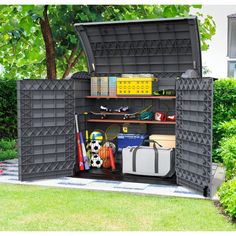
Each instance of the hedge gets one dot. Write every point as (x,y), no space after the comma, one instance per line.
(224,110)
(227,194)
(7,149)
(8,109)
(227,152)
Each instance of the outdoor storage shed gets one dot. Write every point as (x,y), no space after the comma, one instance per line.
(164,47)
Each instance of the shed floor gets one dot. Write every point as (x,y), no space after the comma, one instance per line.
(108,174)
(163,187)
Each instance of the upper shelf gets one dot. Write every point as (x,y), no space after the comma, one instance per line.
(131,97)
(131,121)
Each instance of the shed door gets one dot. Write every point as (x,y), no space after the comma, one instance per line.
(194,133)
(46,136)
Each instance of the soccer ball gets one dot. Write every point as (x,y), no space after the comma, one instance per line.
(95,146)
(96,161)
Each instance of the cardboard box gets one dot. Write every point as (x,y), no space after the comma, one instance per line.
(99,86)
(104,85)
(167,141)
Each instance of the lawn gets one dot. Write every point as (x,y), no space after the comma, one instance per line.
(44,208)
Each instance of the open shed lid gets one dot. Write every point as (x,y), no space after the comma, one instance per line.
(165,47)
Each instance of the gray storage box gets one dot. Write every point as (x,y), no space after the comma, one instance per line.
(145,160)
(165,48)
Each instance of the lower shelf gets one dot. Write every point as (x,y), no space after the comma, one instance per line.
(108,174)
(131,121)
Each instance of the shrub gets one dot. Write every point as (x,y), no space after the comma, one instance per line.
(227,195)
(228,154)
(224,110)
(7,149)
(8,109)
(228,128)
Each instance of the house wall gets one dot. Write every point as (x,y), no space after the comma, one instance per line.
(215,58)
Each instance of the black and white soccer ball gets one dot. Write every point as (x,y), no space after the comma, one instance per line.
(96,161)
(95,145)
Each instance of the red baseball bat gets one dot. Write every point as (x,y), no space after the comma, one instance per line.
(79,148)
(111,156)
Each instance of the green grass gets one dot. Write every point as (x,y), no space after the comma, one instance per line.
(44,208)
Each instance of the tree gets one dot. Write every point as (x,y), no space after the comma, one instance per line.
(39,39)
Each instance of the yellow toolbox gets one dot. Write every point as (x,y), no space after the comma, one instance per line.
(135,86)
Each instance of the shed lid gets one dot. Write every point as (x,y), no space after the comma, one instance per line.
(165,47)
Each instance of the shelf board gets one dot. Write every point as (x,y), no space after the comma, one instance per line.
(131,97)
(131,121)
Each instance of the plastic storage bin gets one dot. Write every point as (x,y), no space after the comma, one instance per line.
(134,86)
(125,140)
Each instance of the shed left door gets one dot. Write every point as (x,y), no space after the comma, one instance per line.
(46,132)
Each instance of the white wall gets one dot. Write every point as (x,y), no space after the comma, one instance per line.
(216,56)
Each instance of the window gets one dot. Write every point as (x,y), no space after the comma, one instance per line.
(232,36)
(232,68)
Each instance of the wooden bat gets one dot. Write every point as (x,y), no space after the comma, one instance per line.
(79,148)
(84,153)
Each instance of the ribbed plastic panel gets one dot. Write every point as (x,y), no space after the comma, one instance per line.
(46,131)
(194,103)
(164,46)
(82,89)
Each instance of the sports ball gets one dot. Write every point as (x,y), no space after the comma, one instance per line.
(103,152)
(95,146)
(112,145)
(106,163)
(96,161)
(96,135)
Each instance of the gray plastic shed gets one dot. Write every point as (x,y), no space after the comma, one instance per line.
(164,47)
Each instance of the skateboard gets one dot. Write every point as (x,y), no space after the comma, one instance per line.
(123,115)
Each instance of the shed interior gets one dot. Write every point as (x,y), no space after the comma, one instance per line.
(85,103)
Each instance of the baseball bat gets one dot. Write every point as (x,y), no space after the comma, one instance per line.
(79,149)
(111,156)
(84,153)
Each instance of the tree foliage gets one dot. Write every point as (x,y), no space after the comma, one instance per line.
(22,43)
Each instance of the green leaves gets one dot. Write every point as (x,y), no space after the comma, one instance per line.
(224,110)
(227,194)
(22,47)
(21,42)
(8,109)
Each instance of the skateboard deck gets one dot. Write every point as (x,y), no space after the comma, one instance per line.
(123,115)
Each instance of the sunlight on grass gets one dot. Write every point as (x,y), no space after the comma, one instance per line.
(44,208)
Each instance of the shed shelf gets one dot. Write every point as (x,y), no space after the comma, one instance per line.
(131,97)
(131,121)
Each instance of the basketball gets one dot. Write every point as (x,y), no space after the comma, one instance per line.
(103,152)
(106,163)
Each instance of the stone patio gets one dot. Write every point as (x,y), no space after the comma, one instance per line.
(9,174)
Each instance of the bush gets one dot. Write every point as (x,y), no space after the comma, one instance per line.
(7,149)
(228,154)
(227,195)
(228,128)
(8,109)
(224,110)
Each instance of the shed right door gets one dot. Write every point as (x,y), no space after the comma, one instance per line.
(194,103)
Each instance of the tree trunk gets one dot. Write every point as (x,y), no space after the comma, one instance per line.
(72,61)
(49,45)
